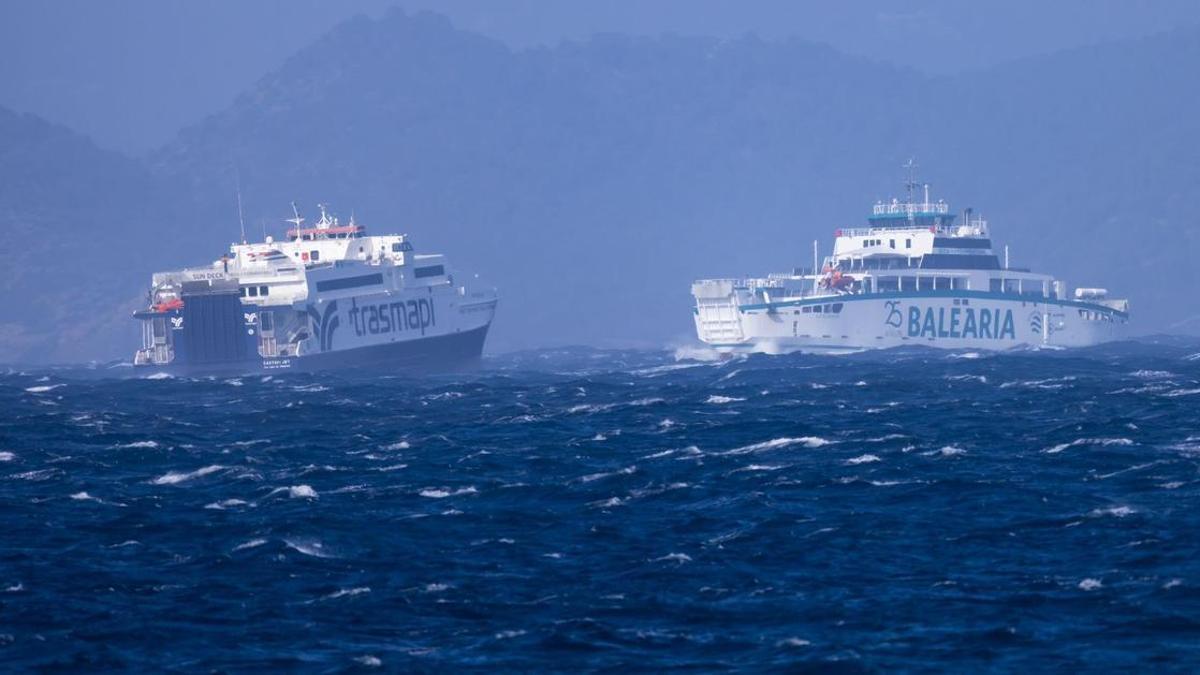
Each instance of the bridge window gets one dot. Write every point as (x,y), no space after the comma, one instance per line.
(888,284)
(908,243)
(995,285)
(908,284)
(431,271)
(263,290)
(253,291)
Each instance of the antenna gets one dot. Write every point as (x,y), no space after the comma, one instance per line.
(297,220)
(241,218)
(911,183)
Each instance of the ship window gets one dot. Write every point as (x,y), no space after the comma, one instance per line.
(253,291)
(431,271)
(892,243)
(1011,285)
(315,255)
(994,285)
(908,243)
(887,284)
(806,310)
(262,290)
(908,283)
(941,283)
(836,307)
(401,246)
(242,291)
(816,309)
(266,320)
(958,283)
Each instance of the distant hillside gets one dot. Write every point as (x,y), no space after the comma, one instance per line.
(592,181)
(78,223)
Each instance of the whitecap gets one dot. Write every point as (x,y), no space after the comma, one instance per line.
(760,467)
(1182,392)
(776,443)
(6,456)
(225,504)
(949,451)
(442,493)
(719,400)
(158,376)
(368,660)
(674,557)
(139,444)
(1115,511)
(347,592)
(863,459)
(390,467)
(599,437)
(793,642)
(611,502)
(1152,374)
(310,547)
(43,388)
(435,588)
(509,634)
(597,476)
(253,543)
(1087,441)
(590,408)
(1090,584)
(1173,583)
(296,491)
(175,477)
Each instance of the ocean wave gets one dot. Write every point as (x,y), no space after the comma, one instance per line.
(177,477)
(719,400)
(442,493)
(1087,441)
(777,443)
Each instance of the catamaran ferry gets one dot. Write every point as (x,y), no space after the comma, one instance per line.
(913,276)
(328,297)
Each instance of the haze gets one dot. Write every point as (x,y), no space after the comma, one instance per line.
(589,159)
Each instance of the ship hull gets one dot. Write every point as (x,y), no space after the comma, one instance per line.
(448,352)
(944,320)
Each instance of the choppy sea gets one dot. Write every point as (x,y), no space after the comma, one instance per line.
(581,509)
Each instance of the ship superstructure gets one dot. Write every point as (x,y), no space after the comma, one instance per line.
(916,274)
(326,296)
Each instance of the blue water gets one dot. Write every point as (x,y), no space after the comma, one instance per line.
(587,509)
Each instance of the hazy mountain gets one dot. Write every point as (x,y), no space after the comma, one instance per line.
(82,227)
(592,181)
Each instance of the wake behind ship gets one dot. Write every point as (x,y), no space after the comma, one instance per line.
(912,276)
(330,296)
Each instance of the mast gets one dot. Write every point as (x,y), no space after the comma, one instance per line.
(241,218)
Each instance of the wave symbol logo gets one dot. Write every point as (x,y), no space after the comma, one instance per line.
(324,324)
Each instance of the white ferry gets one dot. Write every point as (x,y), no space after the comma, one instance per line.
(328,297)
(913,276)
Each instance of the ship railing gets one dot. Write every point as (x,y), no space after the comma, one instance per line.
(977,228)
(906,208)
